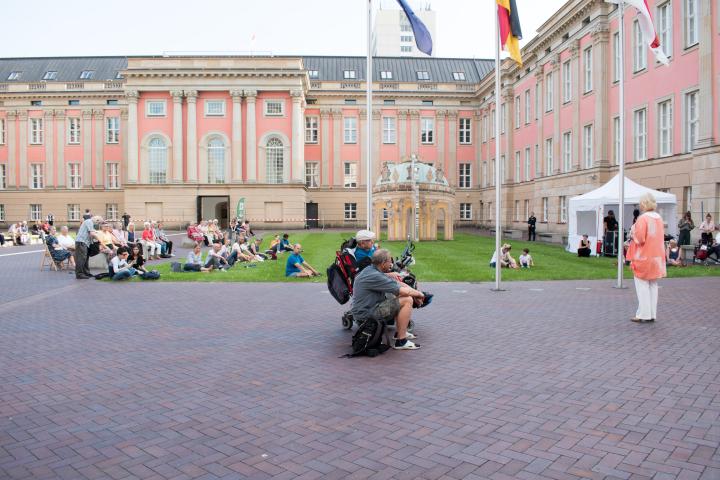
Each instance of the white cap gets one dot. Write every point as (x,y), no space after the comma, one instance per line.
(364,235)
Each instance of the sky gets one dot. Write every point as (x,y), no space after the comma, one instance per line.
(280,27)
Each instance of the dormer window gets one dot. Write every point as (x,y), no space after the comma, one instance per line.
(50,75)
(313,74)
(14,76)
(386,75)
(119,76)
(459,76)
(349,74)
(87,75)
(422,75)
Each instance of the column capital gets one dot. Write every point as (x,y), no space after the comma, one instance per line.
(363,113)
(325,112)
(575,49)
(452,114)
(11,114)
(191,96)
(98,113)
(48,114)
(132,96)
(414,113)
(60,114)
(236,95)
(251,95)
(555,62)
(336,112)
(296,94)
(177,95)
(124,113)
(87,113)
(22,114)
(402,114)
(441,113)
(601,33)
(539,73)
(376,114)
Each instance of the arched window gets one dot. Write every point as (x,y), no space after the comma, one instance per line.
(216,161)
(275,161)
(158,160)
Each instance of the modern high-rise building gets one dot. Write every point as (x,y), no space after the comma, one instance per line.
(393,36)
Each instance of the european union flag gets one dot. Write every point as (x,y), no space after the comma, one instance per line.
(423,40)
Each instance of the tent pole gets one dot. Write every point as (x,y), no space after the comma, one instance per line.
(621,153)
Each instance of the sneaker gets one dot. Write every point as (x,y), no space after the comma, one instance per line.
(426,301)
(405,344)
(409,336)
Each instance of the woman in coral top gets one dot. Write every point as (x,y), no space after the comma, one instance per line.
(647,258)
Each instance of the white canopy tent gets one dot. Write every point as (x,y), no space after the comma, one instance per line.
(586,212)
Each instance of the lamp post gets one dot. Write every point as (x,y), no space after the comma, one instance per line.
(416,198)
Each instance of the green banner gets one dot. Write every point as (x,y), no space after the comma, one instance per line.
(240,209)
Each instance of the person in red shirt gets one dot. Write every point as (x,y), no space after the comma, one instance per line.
(148,237)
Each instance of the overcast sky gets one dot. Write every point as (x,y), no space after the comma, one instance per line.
(312,27)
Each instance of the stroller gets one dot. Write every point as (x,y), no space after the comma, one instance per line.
(342,273)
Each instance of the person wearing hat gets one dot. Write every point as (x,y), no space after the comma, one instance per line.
(365,245)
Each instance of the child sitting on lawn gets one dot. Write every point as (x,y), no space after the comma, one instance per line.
(526,260)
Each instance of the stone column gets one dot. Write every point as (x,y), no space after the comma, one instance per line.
(99,116)
(440,122)
(539,102)
(11,119)
(325,140)
(402,133)
(557,102)
(251,137)
(601,41)
(177,138)
(509,99)
(298,150)
(577,95)
(338,179)
(86,135)
(192,163)
(60,126)
(49,148)
(414,131)
(236,96)
(23,146)
(707,101)
(124,144)
(132,139)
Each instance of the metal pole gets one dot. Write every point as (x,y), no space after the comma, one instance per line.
(368,117)
(621,153)
(498,164)
(416,198)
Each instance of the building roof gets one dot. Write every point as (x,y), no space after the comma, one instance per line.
(404,69)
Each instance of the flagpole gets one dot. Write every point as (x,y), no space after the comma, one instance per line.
(621,153)
(368,117)
(498,165)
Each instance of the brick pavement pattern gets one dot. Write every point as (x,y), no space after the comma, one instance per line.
(243,381)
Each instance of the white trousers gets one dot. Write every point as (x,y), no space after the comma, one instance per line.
(647,293)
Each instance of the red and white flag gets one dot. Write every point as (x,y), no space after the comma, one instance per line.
(648,28)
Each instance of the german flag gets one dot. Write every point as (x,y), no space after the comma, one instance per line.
(510,33)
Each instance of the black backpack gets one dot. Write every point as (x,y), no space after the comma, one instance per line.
(338,284)
(367,341)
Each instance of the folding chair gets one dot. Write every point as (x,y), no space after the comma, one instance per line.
(47,258)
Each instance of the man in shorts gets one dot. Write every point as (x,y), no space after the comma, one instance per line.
(376,295)
(296,265)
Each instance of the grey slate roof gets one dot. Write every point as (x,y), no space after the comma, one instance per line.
(329,68)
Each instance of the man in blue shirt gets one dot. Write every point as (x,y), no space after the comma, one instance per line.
(365,247)
(83,239)
(296,265)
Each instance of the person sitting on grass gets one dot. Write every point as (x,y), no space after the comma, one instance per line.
(136,259)
(672,255)
(241,250)
(215,260)
(526,260)
(119,267)
(584,247)
(194,261)
(506,260)
(285,245)
(296,265)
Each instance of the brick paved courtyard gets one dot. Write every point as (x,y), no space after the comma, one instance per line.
(189,381)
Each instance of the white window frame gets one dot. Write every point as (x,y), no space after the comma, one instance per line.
(313,74)
(665,127)
(516,210)
(664,16)
(270,109)
(112,170)
(74,130)
(465,130)
(616,57)
(427,131)
(549,92)
(3,176)
(588,146)
(386,75)
(549,161)
(518,167)
(350,132)
(2,212)
(350,211)
(466,211)
(37,176)
(36,131)
(111,212)
(526,208)
(484,174)
(216,160)
(545,204)
(484,128)
(527,107)
(492,123)
(527,164)
(155,108)
(517,111)
(15,75)
(464,175)
(74,175)
(616,140)
(691,23)
(639,48)
(503,117)
(422,75)
(563,209)
(640,134)
(50,75)
(312,125)
(567,81)
(87,75)
(459,76)
(275,161)
(588,69)
(112,130)
(350,174)
(406,48)
(36,212)
(567,151)
(158,176)
(349,74)
(691,119)
(211,109)
(312,174)
(2,131)
(389,130)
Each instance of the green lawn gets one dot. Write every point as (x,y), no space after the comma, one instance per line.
(464,259)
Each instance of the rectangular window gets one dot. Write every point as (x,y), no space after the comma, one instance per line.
(466,211)
(74,178)
(312,174)
(111,102)
(516,210)
(36,103)
(389,101)
(464,175)
(111,211)
(313,74)
(350,131)
(14,75)
(567,151)
(427,103)
(549,170)
(588,153)
(492,172)
(517,112)
(386,75)
(3,176)
(588,69)
(35,212)
(274,108)
(527,107)
(616,57)
(563,209)
(349,74)
(538,162)
(350,178)
(73,210)
(113,175)
(2,131)
(503,117)
(639,48)
(492,123)
(484,128)
(87,75)
(350,101)
(406,48)
(518,167)
(527,208)
(73,131)
(422,75)
(406,38)
(155,108)
(112,130)
(664,27)
(665,128)
(640,134)
(527,164)
(351,211)
(545,209)
(692,24)
(389,130)
(2,212)
(537,101)
(427,130)
(311,129)
(692,120)
(37,179)
(549,92)
(50,75)
(459,76)
(36,131)
(464,130)
(73,102)
(616,140)
(214,108)
(567,81)
(484,174)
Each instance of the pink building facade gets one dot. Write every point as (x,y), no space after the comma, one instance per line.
(182,138)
